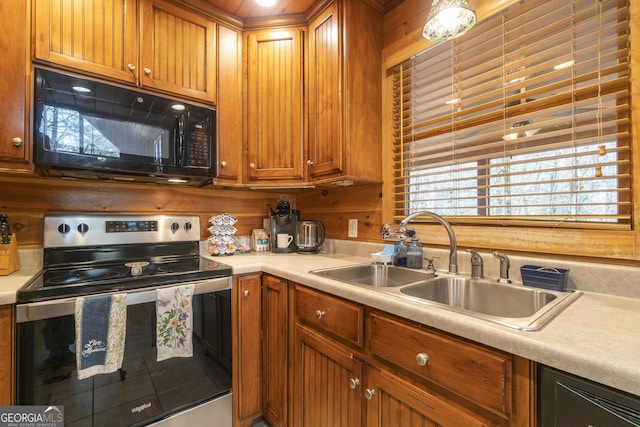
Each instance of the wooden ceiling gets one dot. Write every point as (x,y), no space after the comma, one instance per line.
(249,9)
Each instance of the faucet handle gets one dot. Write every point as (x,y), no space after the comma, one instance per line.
(504,267)
(477,270)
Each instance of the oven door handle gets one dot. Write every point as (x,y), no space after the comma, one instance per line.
(63,307)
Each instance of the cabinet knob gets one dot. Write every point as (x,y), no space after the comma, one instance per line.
(353,382)
(369,393)
(422,359)
(223,164)
(17,141)
(309,163)
(246,293)
(320,314)
(131,67)
(147,71)
(252,166)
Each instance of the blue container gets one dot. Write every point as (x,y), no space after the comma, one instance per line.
(554,279)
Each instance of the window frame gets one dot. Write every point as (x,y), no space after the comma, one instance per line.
(592,243)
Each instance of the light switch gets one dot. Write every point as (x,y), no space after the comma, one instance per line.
(353,228)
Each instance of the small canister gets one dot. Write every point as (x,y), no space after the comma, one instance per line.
(259,240)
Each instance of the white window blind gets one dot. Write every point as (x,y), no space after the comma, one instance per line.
(524,120)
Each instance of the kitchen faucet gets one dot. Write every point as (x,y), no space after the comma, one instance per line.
(386,233)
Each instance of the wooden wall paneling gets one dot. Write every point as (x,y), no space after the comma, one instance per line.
(335,206)
(26,201)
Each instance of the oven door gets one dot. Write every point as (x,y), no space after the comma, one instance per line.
(144,390)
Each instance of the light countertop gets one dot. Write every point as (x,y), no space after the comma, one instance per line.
(596,337)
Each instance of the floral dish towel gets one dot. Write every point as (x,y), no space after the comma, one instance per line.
(174,322)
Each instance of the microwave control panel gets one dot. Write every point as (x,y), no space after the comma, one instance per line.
(199,144)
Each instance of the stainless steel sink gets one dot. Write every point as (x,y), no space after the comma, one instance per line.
(512,305)
(375,275)
(509,305)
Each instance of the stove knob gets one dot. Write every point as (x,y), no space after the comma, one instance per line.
(64,228)
(187,226)
(83,228)
(175,226)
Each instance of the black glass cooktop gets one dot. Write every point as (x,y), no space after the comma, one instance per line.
(70,273)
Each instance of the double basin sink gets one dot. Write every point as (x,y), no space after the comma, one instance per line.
(510,305)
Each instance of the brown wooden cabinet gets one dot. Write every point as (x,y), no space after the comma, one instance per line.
(247,349)
(14,151)
(414,375)
(345,88)
(7,358)
(275,349)
(177,50)
(274,106)
(176,45)
(392,401)
(88,36)
(229,112)
(328,382)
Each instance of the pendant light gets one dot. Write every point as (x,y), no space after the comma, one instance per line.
(448,19)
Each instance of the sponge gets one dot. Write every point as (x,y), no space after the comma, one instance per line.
(389,250)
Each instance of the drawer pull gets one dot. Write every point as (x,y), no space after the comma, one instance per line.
(353,382)
(320,314)
(422,359)
(368,393)
(246,293)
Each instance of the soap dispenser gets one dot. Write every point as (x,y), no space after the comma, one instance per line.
(414,254)
(401,255)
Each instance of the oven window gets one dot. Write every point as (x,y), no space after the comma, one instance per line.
(144,389)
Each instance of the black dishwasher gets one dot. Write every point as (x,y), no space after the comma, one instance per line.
(565,400)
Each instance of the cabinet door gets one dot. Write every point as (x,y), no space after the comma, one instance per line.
(229,112)
(177,50)
(328,391)
(7,365)
(275,105)
(326,143)
(275,315)
(393,402)
(247,368)
(13,87)
(96,36)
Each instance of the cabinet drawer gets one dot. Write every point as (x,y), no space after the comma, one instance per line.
(479,374)
(330,314)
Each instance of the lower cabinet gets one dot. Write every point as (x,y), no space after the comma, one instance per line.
(247,349)
(392,401)
(328,382)
(7,359)
(319,367)
(275,345)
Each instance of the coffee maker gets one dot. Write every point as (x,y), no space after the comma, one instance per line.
(284,220)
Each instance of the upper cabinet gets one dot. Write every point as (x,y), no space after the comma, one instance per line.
(274,105)
(176,46)
(99,37)
(14,152)
(177,50)
(345,89)
(229,113)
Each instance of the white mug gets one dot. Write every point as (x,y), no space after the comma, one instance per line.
(284,240)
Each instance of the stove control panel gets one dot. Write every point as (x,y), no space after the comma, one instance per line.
(95,230)
(131,226)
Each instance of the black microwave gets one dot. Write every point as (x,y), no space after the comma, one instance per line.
(90,129)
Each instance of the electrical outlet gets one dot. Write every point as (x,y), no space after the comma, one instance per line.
(353,228)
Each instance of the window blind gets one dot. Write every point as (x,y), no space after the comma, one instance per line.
(524,120)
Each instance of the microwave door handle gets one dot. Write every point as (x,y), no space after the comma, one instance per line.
(180,143)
